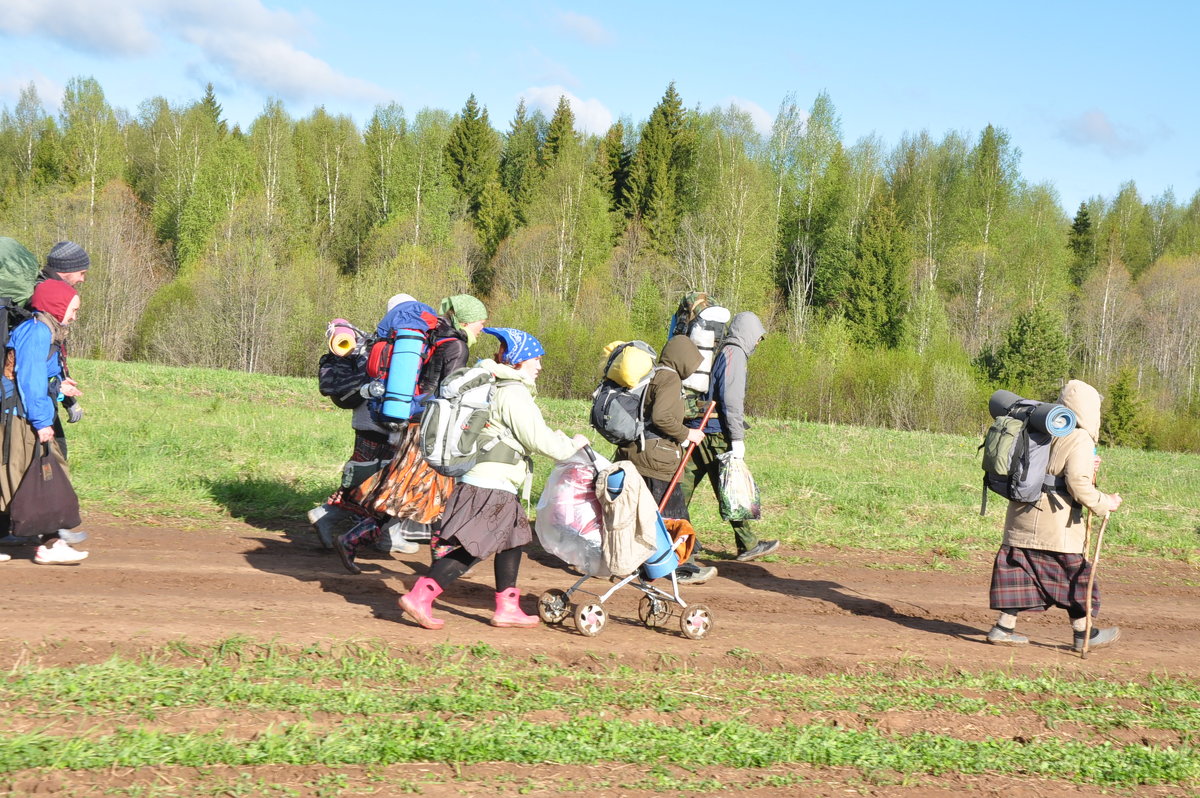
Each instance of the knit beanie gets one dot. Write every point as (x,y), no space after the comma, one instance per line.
(67,256)
(397,299)
(462,309)
(53,297)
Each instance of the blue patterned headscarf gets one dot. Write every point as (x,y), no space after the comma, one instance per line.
(519,345)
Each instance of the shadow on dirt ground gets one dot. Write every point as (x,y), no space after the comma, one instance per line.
(268,504)
(846,598)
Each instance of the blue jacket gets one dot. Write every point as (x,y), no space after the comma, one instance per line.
(36,364)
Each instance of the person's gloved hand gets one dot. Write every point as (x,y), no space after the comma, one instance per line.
(738,449)
(74,413)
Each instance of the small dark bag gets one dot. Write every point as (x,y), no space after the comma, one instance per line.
(44,502)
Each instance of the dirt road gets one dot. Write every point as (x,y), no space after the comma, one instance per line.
(151,584)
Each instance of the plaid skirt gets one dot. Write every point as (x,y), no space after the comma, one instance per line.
(1031,580)
(407,487)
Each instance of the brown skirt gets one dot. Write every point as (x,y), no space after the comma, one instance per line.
(407,487)
(484,521)
(21,441)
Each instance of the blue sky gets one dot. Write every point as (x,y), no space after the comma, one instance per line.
(1093,95)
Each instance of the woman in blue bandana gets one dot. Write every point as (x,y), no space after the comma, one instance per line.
(484,516)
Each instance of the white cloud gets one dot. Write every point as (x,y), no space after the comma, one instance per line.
(50,92)
(250,43)
(761,118)
(104,27)
(591,116)
(278,67)
(586,29)
(1094,129)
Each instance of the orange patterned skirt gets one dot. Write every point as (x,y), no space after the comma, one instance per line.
(407,487)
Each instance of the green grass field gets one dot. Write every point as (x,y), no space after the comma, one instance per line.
(199,446)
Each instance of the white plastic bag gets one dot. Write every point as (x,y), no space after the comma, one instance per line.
(569,517)
(738,494)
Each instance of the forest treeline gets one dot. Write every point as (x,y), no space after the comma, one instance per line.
(900,283)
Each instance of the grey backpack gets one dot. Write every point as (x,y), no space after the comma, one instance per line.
(452,431)
(1016,448)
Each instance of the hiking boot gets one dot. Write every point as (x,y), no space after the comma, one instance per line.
(999,636)
(691,574)
(20,540)
(345,555)
(324,520)
(1100,638)
(71,538)
(762,548)
(58,553)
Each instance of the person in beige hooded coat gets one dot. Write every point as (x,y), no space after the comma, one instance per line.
(1042,562)
(484,517)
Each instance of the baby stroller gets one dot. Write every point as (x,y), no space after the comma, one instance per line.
(674,541)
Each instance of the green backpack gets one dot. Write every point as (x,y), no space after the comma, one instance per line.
(18,275)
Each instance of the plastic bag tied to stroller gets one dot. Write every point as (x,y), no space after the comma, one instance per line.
(568,521)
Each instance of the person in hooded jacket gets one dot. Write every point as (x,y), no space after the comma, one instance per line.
(1041,562)
(407,489)
(484,516)
(726,428)
(659,457)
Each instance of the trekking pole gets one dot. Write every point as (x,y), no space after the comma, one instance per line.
(1087,625)
(687,455)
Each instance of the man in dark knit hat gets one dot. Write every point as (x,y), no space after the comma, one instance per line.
(68,262)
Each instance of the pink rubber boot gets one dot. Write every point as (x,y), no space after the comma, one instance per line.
(418,603)
(508,611)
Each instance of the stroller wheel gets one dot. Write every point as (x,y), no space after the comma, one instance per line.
(552,606)
(590,618)
(696,622)
(653,611)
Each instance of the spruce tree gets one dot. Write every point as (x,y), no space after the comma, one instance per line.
(519,162)
(472,158)
(561,134)
(213,109)
(877,290)
(659,177)
(1082,243)
(612,165)
(1034,358)
(1121,424)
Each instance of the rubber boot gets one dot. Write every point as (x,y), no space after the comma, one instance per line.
(508,611)
(418,603)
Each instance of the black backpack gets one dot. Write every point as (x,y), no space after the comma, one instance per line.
(341,376)
(617,410)
(1016,448)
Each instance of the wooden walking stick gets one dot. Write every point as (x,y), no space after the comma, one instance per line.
(1087,625)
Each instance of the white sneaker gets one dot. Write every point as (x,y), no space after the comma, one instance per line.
(58,553)
(5,557)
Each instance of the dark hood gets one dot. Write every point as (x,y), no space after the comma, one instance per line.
(681,355)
